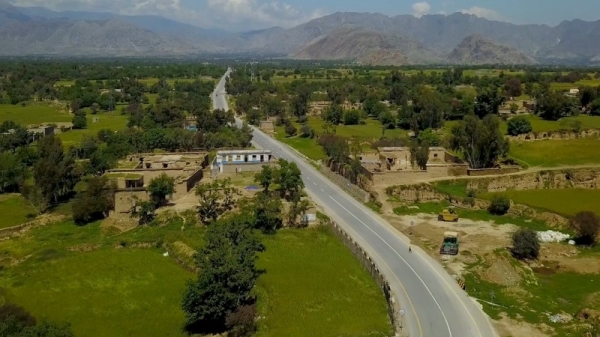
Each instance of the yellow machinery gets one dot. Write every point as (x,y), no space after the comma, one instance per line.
(448,215)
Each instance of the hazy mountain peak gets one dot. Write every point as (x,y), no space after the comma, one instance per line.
(476,49)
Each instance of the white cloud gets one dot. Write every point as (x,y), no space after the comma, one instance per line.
(481,12)
(228,14)
(421,8)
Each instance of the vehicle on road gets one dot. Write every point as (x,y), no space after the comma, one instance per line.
(450,244)
(448,215)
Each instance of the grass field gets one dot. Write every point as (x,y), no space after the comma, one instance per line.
(114,121)
(369,131)
(81,275)
(567,202)
(553,153)
(32,114)
(567,86)
(14,210)
(314,287)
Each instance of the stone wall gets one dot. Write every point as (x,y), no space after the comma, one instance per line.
(588,178)
(408,177)
(126,199)
(371,267)
(238,168)
(493,171)
(415,193)
(555,135)
(357,192)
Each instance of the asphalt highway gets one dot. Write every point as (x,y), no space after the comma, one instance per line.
(433,303)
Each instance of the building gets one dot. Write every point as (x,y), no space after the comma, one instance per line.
(42,130)
(136,172)
(234,161)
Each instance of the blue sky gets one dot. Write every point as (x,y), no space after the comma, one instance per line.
(255,14)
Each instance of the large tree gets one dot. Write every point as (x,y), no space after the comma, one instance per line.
(488,102)
(554,105)
(479,141)
(289,179)
(227,272)
(513,87)
(161,187)
(95,202)
(54,172)
(215,199)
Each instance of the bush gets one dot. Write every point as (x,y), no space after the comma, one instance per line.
(587,226)
(290,130)
(518,126)
(526,244)
(20,315)
(79,121)
(307,132)
(499,205)
(352,117)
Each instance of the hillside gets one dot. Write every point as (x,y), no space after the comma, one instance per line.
(85,38)
(476,49)
(369,47)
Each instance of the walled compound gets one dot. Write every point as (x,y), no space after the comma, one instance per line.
(136,172)
(235,161)
(392,166)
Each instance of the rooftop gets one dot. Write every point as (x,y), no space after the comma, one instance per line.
(226,152)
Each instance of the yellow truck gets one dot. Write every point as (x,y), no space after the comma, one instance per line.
(448,215)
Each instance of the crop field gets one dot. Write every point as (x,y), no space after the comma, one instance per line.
(567,86)
(553,153)
(314,287)
(33,114)
(15,210)
(107,283)
(567,202)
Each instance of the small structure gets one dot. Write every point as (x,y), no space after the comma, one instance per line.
(573,92)
(42,130)
(267,126)
(95,119)
(234,161)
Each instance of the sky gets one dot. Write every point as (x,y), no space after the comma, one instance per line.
(237,15)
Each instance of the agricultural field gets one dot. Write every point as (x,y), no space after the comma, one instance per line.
(113,121)
(107,283)
(34,113)
(314,287)
(566,202)
(567,86)
(15,210)
(554,153)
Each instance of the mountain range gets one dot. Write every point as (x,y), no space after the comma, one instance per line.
(361,37)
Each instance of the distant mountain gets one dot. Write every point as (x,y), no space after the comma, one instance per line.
(365,46)
(476,49)
(63,37)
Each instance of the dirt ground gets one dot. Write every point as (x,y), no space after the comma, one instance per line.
(485,241)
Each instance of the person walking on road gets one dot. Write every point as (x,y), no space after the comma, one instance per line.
(409,249)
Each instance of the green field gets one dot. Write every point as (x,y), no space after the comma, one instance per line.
(567,202)
(314,287)
(33,114)
(567,86)
(110,284)
(114,121)
(15,210)
(553,153)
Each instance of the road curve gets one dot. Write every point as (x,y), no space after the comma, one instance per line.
(434,304)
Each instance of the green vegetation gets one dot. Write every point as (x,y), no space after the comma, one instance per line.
(435,208)
(34,113)
(567,202)
(300,289)
(112,121)
(15,210)
(457,188)
(554,153)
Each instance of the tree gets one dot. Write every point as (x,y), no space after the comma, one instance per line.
(307,132)
(352,117)
(479,141)
(429,136)
(595,107)
(419,154)
(95,202)
(387,119)
(144,211)
(335,147)
(525,244)
(334,114)
(289,179)
(12,172)
(399,94)
(488,102)
(297,210)
(253,117)
(54,172)
(267,211)
(160,187)
(499,205)
(513,87)
(587,226)
(518,126)
(79,120)
(94,108)
(554,105)
(265,177)
(227,273)
(215,199)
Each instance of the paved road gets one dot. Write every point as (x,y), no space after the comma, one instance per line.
(434,304)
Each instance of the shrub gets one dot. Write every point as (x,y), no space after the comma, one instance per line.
(290,130)
(499,205)
(587,226)
(526,244)
(20,315)
(243,319)
(352,117)
(518,126)
(307,132)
